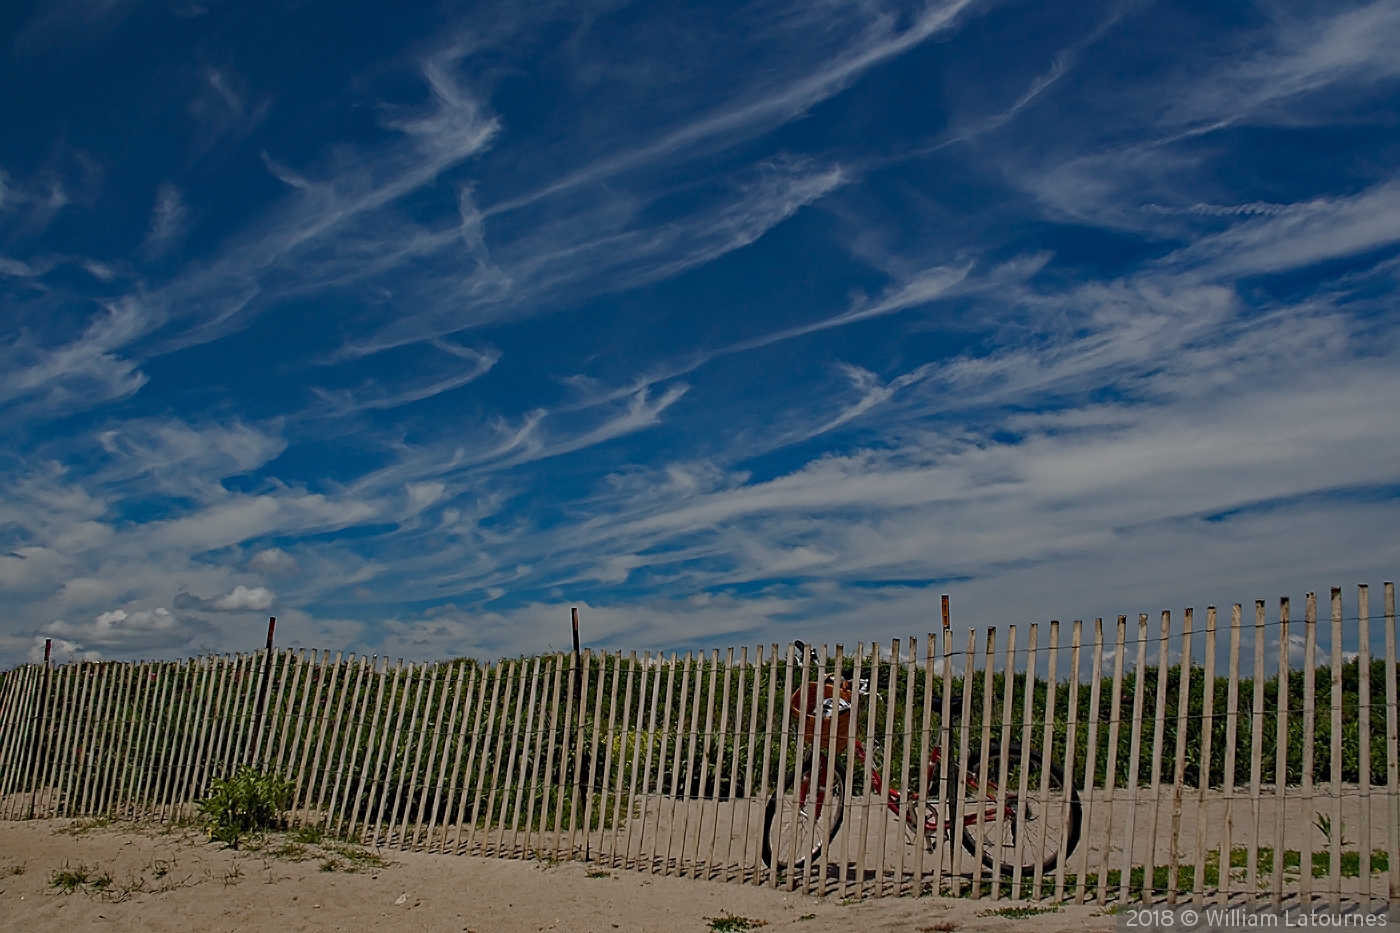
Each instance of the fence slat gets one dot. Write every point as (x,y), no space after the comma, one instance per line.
(1159,722)
(1046,752)
(1198,881)
(1363,698)
(1335,696)
(1090,761)
(1067,765)
(721,746)
(522,781)
(1256,756)
(1134,756)
(1008,700)
(1281,746)
(1309,732)
(1392,746)
(1027,724)
(1232,703)
(1183,708)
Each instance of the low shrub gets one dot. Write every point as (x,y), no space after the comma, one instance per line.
(250,801)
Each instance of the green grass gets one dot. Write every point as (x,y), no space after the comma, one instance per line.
(729,923)
(1019,913)
(73,878)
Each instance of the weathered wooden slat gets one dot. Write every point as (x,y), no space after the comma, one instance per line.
(983,762)
(720,747)
(1008,708)
(1309,734)
(1134,758)
(1198,892)
(679,790)
(1067,763)
(1183,708)
(1335,759)
(1159,723)
(1089,791)
(1022,789)
(1363,728)
(1281,753)
(1232,708)
(1392,745)
(1256,757)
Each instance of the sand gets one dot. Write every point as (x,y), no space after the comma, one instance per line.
(175,881)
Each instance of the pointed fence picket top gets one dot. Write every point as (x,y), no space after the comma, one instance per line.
(1112,764)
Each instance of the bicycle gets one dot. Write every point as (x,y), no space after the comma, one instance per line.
(1006,831)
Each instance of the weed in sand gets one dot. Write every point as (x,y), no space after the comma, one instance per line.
(70,878)
(730,923)
(17,869)
(942,926)
(600,874)
(1019,913)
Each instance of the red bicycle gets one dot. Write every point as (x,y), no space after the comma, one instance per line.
(1015,812)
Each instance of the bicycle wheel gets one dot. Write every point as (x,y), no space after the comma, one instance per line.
(802,819)
(1027,832)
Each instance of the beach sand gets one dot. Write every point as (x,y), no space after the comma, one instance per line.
(151,879)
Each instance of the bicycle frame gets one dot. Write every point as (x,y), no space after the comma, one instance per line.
(935,824)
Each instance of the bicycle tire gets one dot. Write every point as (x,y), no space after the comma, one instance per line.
(1037,831)
(817,820)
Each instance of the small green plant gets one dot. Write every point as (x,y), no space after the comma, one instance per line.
(312,834)
(71,878)
(807,917)
(250,801)
(600,874)
(1019,913)
(1324,824)
(17,869)
(729,923)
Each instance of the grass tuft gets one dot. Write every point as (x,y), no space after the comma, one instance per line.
(730,923)
(1019,913)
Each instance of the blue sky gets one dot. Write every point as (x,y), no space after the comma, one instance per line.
(726,323)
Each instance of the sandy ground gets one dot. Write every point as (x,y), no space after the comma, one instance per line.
(173,881)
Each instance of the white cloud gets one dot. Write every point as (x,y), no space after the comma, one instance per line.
(243,598)
(274,560)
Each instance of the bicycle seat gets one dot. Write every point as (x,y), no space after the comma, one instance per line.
(955,705)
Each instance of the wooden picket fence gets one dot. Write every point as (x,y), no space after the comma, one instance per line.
(1110,766)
